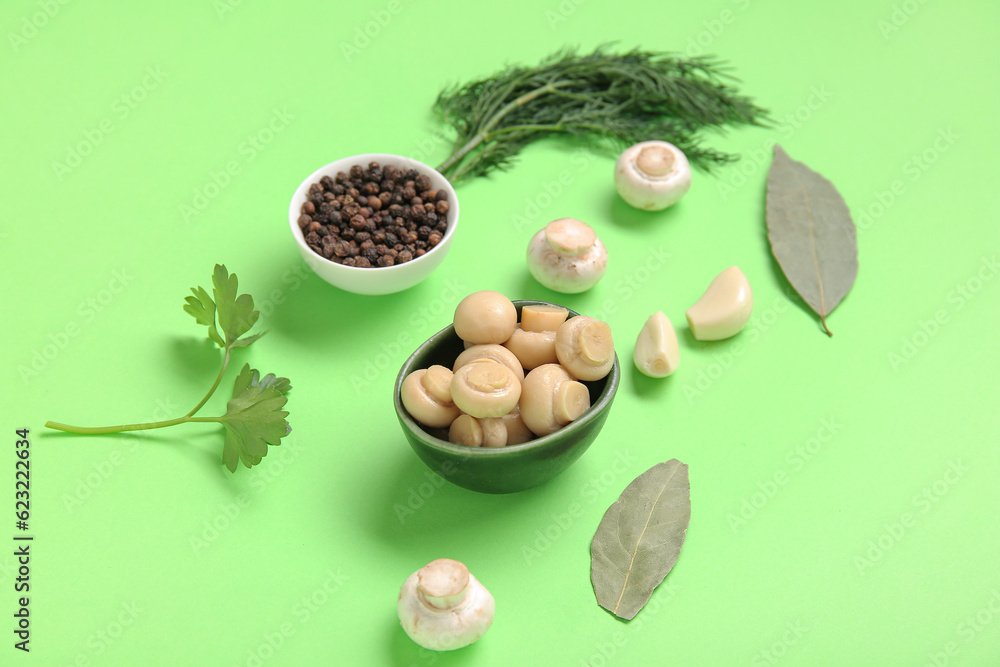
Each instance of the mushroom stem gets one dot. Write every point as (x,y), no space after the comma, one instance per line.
(655,161)
(443,583)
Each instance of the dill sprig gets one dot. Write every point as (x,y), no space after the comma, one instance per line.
(625,98)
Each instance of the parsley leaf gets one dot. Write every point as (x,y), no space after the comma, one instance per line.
(254,418)
(236,314)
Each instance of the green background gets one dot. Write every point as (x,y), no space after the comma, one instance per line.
(844,490)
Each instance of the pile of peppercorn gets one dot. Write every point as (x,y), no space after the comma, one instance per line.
(374,216)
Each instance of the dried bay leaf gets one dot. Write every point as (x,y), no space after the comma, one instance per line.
(640,538)
(811,233)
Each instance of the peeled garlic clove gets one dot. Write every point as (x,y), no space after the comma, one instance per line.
(656,351)
(724,308)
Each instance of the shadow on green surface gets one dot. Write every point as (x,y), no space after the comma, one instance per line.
(416,511)
(649,388)
(197,361)
(625,215)
(407,653)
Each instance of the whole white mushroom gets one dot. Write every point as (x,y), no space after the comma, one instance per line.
(567,256)
(652,175)
(443,607)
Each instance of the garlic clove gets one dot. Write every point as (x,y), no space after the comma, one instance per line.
(724,308)
(656,351)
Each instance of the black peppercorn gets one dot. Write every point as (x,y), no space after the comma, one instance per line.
(374,216)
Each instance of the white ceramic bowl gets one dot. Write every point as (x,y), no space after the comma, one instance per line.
(382,279)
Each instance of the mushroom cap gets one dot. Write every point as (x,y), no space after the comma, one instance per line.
(472,432)
(585,348)
(652,175)
(443,607)
(426,395)
(551,398)
(517,432)
(490,351)
(485,317)
(485,388)
(560,259)
(532,348)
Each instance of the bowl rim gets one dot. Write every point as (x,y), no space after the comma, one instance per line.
(612,381)
(327,170)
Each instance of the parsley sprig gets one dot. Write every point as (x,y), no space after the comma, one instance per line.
(254,417)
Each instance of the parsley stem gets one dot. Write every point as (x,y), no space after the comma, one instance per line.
(215,385)
(97,430)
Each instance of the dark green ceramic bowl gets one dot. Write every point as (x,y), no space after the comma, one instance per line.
(500,469)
